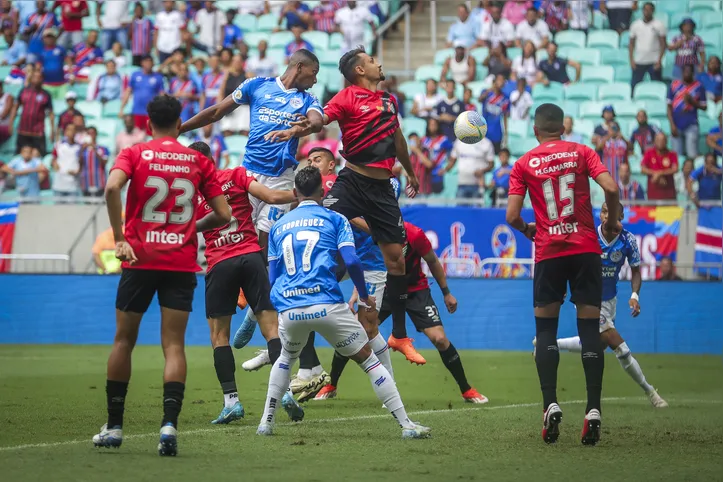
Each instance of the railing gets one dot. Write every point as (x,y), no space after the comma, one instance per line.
(37,263)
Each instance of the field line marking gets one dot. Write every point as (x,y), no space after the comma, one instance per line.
(198,431)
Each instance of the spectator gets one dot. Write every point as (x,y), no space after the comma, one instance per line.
(630,190)
(66,164)
(17,51)
(712,80)
(253,7)
(647,46)
(714,140)
(614,149)
(619,13)
(297,44)
(667,270)
(71,19)
(112,17)
(170,29)
(644,135)
(156,6)
(461,65)
(211,82)
(497,63)
(435,150)
(261,65)
(36,104)
(225,57)
(52,62)
(144,85)
(392,86)
(601,130)
(6,108)
(501,179)
(66,117)
(233,36)
(108,86)
(465,29)
(25,8)
(322,140)
(351,21)
(84,55)
(569,135)
(659,164)
(296,14)
(103,252)
(467,99)
(118,56)
(37,23)
(324,14)
(533,30)
(579,13)
(709,178)
(186,91)
(481,14)
(680,178)
(497,30)
(130,136)
(93,159)
(685,98)
(516,10)
(447,111)
(554,68)
(210,27)
(373,7)
(689,49)
(520,101)
(172,64)
(238,121)
(8,16)
(525,66)
(219,151)
(142,33)
(81,133)
(555,14)
(28,172)
(425,104)
(473,161)
(496,110)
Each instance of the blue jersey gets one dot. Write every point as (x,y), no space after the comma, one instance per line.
(369,253)
(306,242)
(273,108)
(613,256)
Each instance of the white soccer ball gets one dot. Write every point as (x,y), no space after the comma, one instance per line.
(470,127)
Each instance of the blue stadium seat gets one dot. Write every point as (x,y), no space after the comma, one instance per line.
(328,58)
(480,54)
(603,39)
(602,74)
(625,40)
(425,72)
(513,52)
(252,39)
(651,91)
(656,110)
(414,124)
(669,7)
(585,56)
(713,20)
(584,127)
(712,40)
(320,40)
(623,74)
(477,87)
(109,127)
(517,127)
(679,16)
(520,148)
(696,5)
(112,108)
(246,22)
(553,92)
(618,58)
(267,23)
(591,110)
(571,108)
(441,56)
(335,41)
(570,38)
(318,90)
(614,91)
(581,92)
(280,39)
(236,144)
(81,90)
(624,109)
(410,88)
(90,109)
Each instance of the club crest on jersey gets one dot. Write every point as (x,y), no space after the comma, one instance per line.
(238,95)
(296,102)
(616,256)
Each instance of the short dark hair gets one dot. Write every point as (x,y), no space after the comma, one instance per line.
(533,9)
(146,57)
(649,4)
(548,118)
(322,149)
(505,150)
(349,61)
(201,147)
(164,111)
(303,56)
(308,181)
(463,5)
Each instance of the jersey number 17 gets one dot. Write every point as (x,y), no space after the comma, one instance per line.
(287,245)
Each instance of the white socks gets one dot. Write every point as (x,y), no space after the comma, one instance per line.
(303,374)
(379,345)
(316,371)
(230,399)
(278,384)
(570,344)
(631,366)
(385,389)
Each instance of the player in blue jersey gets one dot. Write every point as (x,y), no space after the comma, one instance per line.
(614,253)
(303,249)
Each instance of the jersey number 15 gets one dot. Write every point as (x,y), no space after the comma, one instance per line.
(287,246)
(567,183)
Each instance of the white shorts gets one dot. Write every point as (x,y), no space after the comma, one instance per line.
(335,323)
(238,120)
(265,215)
(376,282)
(607,314)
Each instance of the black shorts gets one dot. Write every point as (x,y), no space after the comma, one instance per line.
(137,287)
(248,272)
(582,271)
(619,18)
(420,307)
(36,142)
(354,195)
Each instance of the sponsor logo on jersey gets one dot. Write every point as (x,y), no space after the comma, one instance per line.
(364,108)
(301,291)
(300,316)
(163,237)
(349,340)
(563,228)
(536,161)
(225,240)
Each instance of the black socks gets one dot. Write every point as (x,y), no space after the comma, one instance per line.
(337,367)
(453,362)
(547,358)
(397,289)
(593,359)
(307,357)
(274,347)
(225,365)
(115,393)
(172,402)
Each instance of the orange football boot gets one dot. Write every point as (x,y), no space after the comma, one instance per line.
(405,347)
(473,396)
(241,302)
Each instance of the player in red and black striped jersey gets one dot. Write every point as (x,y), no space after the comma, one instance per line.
(373,141)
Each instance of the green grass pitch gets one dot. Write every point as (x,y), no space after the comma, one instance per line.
(52,400)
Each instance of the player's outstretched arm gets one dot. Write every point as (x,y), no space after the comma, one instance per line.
(400,145)
(514,216)
(271,196)
(437,270)
(302,127)
(636,281)
(210,115)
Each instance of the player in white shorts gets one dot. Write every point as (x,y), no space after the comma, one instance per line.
(303,249)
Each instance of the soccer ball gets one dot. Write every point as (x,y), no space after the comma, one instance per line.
(470,127)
